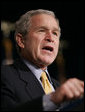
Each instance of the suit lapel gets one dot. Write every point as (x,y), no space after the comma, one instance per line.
(55,83)
(33,86)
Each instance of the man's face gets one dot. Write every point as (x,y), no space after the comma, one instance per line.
(42,41)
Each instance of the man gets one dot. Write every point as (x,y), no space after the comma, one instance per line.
(37,36)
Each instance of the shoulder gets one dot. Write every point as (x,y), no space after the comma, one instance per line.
(14,71)
(17,65)
(8,73)
(6,69)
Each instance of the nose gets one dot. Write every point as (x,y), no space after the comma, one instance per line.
(49,37)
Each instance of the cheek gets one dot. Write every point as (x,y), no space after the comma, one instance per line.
(34,47)
(56,48)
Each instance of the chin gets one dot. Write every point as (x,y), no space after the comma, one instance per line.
(47,62)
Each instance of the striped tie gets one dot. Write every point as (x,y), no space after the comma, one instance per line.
(46,83)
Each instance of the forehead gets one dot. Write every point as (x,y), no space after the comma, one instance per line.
(44,19)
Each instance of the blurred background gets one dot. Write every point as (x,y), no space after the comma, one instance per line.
(70,59)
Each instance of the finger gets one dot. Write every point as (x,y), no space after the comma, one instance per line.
(78,86)
(75,89)
(81,83)
(67,92)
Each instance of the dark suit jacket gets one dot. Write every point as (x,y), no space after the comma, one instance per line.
(20,90)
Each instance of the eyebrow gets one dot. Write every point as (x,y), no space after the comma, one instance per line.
(44,27)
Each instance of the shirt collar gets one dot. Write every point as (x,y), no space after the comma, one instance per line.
(34,69)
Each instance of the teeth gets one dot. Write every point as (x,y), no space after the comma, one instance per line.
(48,48)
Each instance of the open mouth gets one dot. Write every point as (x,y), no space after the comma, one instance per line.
(48,48)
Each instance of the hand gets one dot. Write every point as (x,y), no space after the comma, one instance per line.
(71,89)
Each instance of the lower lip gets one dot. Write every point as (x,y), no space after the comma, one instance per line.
(47,51)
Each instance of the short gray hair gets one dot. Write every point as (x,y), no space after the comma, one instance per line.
(23,24)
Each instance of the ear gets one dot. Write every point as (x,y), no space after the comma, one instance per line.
(19,40)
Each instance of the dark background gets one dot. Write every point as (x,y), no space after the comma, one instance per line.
(71,17)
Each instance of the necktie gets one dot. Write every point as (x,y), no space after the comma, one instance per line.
(45,83)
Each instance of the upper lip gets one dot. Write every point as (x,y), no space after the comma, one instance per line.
(50,48)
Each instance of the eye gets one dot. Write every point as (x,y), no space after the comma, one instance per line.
(41,30)
(55,33)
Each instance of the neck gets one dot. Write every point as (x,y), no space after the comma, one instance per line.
(41,66)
